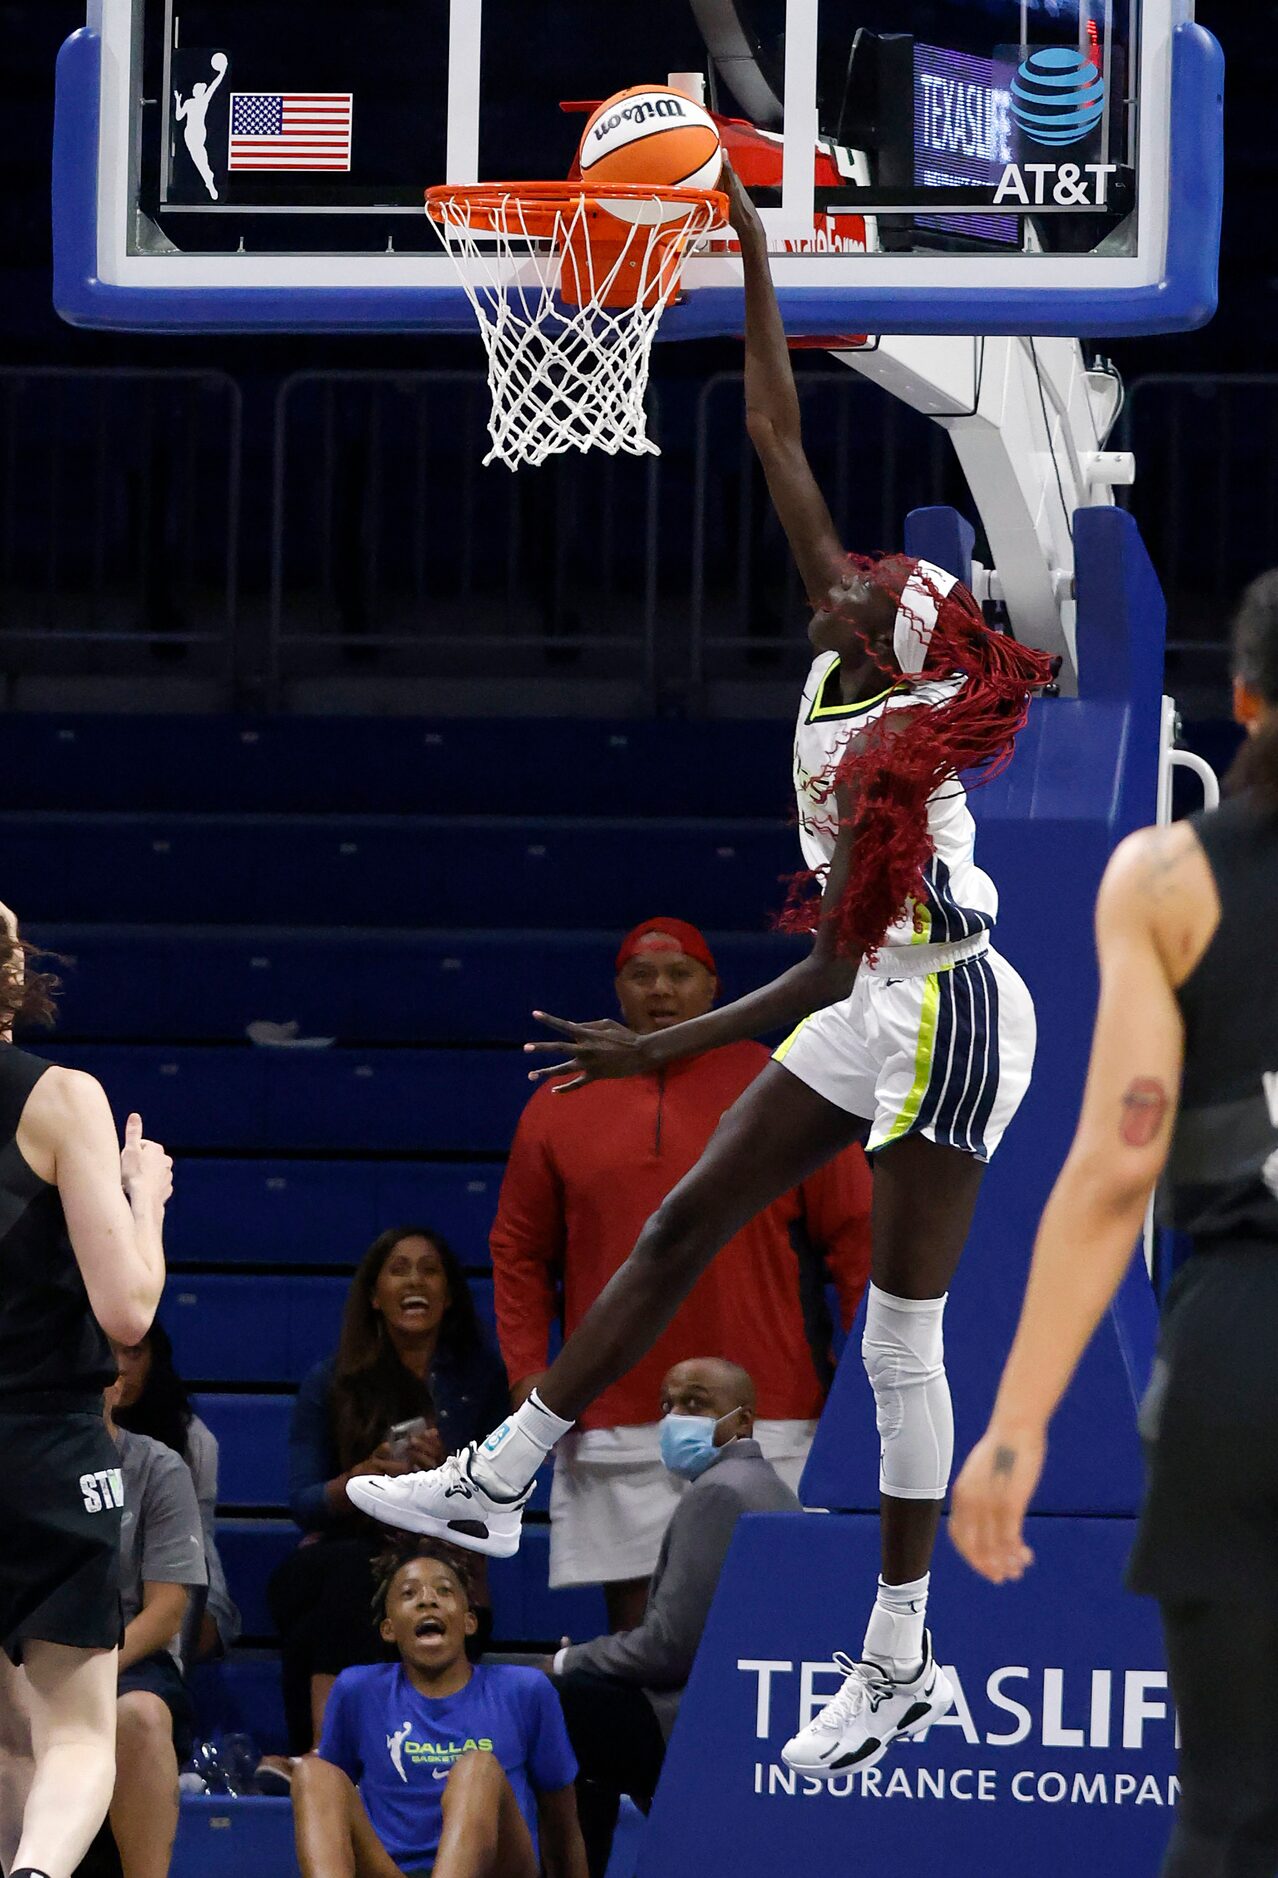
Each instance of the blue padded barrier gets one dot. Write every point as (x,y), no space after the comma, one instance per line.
(251,1329)
(221,1838)
(227,1212)
(225,1838)
(465,872)
(252,1438)
(408,1101)
(139,983)
(1058,1758)
(391,766)
(944,537)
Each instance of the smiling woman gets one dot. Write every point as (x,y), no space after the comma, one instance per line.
(410,1378)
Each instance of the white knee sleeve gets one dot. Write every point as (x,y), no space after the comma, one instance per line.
(903,1349)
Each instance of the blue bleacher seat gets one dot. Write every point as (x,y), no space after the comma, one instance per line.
(390,766)
(227,1212)
(413,1101)
(404,872)
(141,982)
(252,1436)
(241,1695)
(255,1329)
(252,1329)
(250,1550)
(523,1606)
(527,1609)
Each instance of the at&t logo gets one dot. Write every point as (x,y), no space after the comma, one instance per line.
(1058,95)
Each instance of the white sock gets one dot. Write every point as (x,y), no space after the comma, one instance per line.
(894,1634)
(506,1463)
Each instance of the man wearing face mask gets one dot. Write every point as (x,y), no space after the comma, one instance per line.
(585,1171)
(621,1693)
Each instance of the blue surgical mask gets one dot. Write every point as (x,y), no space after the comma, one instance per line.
(687,1443)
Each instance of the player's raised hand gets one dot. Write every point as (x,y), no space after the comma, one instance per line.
(991,1496)
(741,211)
(594,1052)
(146,1172)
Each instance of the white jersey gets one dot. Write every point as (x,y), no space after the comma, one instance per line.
(960,901)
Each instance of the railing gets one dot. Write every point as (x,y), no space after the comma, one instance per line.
(1206,497)
(119,521)
(874,459)
(379,552)
(393,550)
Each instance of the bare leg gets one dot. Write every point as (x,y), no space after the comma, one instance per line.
(71,1699)
(334,1835)
(321,1689)
(485,1834)
(775,1135)
(924,1197)
(144,1808)
(16,1766)
(627,1600)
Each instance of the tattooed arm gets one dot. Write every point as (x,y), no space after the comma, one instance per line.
(1154,918)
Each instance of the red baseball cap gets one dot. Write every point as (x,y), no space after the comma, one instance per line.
(667,935)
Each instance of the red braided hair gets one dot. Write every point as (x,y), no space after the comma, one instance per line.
(892,770)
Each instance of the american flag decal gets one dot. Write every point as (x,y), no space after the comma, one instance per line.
(290,130)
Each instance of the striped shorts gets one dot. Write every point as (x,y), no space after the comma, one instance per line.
(945,1052)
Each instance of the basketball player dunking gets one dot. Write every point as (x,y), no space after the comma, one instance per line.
(1184,1076)
(81,1258)
(914,1036)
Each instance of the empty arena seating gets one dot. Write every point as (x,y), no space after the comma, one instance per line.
(383,887)
(143,983)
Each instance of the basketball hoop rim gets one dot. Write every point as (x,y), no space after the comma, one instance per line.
(542,205)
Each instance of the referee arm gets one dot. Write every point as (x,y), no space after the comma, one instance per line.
(1155,915)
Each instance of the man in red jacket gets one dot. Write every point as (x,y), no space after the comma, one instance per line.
(584,1174)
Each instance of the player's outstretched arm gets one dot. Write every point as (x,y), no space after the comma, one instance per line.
(1092,1220)
(772,411)
(607,1050)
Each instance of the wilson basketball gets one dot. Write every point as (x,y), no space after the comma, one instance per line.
(651,134)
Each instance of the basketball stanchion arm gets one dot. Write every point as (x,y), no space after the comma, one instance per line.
(1029,424)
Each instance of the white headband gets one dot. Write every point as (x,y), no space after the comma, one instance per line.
(927,586)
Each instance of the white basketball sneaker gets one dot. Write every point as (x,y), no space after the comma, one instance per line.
(869,1713)
(445,1502)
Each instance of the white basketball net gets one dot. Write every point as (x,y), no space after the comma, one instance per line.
(565,377)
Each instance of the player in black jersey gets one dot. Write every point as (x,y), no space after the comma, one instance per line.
(81,1260)
(1183,1078)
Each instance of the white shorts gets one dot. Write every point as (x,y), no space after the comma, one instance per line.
(934,1040)
(612,1499)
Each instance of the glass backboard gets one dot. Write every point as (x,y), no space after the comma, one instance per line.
(923,166)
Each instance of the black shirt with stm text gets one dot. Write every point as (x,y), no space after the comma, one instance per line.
(49,1337)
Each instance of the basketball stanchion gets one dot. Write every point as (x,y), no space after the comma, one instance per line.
(569,284)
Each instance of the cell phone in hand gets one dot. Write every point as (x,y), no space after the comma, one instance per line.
(402,1433)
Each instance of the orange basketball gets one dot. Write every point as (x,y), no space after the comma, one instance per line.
(651,134)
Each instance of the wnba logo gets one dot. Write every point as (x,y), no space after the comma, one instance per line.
(1058,95)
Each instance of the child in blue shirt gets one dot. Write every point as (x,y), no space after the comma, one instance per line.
(432,1766)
